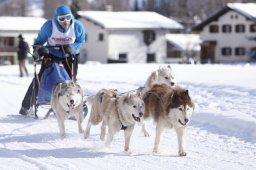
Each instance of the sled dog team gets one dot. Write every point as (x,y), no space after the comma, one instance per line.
(169,105)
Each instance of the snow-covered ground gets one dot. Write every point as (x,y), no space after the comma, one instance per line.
(221,134)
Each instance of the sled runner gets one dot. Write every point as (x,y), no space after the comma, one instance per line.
(52,74)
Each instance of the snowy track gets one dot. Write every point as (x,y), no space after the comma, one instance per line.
(222,133)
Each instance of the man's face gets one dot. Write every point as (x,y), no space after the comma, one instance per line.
(64,20)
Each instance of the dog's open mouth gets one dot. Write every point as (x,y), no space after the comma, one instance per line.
(137,119)
(71,106)
(184,124)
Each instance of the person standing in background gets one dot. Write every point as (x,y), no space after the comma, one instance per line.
(23,50)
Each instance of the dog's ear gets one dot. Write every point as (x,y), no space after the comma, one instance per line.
(101,96)
(58,88)
(160,69)
(127,97)
(61,85)
(186,92)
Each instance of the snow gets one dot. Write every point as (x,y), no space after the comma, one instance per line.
(185,41)
(245,8)
(221,134)
(113,20)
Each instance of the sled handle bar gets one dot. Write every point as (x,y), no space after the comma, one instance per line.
(47,46)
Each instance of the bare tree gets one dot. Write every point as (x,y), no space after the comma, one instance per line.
(50,5)
(98,5)
(118,5)
(13,7)
(84,4)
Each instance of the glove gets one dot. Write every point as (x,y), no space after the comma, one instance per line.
(69,49)
(39,52)
(35,54)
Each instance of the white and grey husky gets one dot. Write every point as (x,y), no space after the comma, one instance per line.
(115,112)
(66,99)
(169,108)
(164,75)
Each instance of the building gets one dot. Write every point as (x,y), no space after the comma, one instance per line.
(183,48)
(10,28)
(126,37)
(229,36)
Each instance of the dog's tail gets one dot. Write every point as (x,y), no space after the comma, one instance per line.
(96,115)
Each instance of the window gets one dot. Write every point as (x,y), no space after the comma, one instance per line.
(6,41)
(226,51)
(253,53)
(101,37)
(239,51)
(226,28)
(253,27)
(174,54)
(214,28)
(122,57)
(240,28)
(149,36)
(151,58)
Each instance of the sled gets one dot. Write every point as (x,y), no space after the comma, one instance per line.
(54,73)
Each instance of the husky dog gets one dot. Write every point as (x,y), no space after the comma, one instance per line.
(103,99)
(117,113)
(164,75)
(66,99)
(170,108)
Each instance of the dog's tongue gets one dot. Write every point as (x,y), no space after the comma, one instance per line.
(136,118)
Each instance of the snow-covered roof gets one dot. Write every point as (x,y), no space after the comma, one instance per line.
(21,23)
(185,41)
(248,10)
(116,20)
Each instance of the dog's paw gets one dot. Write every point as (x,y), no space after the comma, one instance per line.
(128,152)
(126,149)
(182,154)
(146,134)
(86,135)
(62,136)
(155,151)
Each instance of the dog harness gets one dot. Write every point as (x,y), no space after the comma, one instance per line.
(122,127)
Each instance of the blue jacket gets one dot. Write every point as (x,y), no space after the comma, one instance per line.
(46,31)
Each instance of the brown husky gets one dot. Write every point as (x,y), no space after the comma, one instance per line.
(170,108)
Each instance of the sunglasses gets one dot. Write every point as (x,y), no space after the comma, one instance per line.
(62,18)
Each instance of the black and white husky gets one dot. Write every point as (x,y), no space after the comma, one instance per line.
(66,100)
